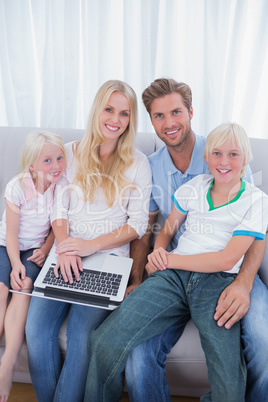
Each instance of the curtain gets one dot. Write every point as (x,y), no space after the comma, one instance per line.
(54,55)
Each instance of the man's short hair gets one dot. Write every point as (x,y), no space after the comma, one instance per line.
(166,86)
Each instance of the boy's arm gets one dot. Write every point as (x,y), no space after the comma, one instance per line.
(234,301)
(139,250)
(158,258)
(215,261)
(172,224)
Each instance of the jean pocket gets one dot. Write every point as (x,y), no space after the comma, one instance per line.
(226,276)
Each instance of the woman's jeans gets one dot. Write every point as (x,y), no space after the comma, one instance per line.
(145,369)
(161,301)
(54,379)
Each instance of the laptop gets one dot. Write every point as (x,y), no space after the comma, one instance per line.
(102,284)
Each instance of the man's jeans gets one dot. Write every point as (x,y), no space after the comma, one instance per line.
(255,339)
(145,369)
(161,301)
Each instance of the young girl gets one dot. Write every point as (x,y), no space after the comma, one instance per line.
(106,207)
(224,216)
(25,239)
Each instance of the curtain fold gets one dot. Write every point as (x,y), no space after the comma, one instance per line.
(54,55)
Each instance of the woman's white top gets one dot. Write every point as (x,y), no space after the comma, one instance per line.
(90,220)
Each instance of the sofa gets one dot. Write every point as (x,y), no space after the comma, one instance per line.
(186,366)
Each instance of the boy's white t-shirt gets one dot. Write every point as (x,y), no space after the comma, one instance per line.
(209,229)
(35,209)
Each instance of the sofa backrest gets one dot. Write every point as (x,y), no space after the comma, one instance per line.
(259,163)
(12,139)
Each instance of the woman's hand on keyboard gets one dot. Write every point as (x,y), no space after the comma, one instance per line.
(69,266)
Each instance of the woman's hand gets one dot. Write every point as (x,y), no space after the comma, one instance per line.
(38,257)
(158,259)
(68,266)
(17,275)
(76,246)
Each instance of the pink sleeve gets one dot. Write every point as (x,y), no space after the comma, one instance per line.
(14,192)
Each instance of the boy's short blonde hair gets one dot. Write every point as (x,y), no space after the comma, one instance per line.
(229,132)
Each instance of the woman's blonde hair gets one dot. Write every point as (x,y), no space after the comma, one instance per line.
(229,132)
(33,146)
(91,172)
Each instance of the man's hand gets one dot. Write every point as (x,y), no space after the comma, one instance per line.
(130,289)
(233,304)
(234,301)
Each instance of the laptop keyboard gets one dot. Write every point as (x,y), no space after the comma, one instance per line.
(98,282)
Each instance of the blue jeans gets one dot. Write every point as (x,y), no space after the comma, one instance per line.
(255,339)
(145,369)
(161,301)
(32,270)
(53,379)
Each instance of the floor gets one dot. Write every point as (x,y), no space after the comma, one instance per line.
(25,393)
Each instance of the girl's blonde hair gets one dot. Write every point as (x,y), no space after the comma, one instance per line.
(33,146)
(91,172)
(229,132)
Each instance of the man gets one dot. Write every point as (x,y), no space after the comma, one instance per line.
(169,105)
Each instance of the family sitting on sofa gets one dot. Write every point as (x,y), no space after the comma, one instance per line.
(204,264)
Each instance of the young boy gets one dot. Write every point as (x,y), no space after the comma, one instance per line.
(224,216)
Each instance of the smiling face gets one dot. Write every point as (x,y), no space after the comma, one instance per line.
(49,167)
(114,119)
(226,163)
(171,119)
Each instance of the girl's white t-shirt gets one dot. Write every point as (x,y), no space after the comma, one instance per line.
(34,208)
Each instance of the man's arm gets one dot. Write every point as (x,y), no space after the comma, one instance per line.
(139,250)
(234,301)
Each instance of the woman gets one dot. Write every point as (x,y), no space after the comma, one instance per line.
(107,206)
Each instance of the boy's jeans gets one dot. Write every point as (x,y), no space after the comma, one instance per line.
(161,301)
(145,369)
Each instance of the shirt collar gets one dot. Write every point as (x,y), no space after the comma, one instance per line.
(197,158)
(30,191)
(170,168)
